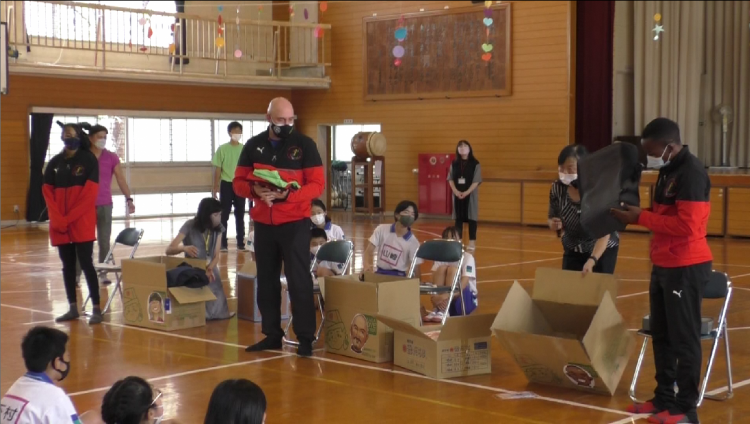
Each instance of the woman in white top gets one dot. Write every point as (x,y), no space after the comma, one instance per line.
(320,219)
(443,274)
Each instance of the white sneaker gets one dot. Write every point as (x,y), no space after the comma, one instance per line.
(471,246)
(104,280)
(431,316)
(438,317)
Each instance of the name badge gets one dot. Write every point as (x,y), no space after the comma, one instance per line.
(462,180)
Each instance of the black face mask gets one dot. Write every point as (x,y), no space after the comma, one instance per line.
(65,373)
(281,131)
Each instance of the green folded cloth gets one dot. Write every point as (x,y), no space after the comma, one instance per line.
(273,177)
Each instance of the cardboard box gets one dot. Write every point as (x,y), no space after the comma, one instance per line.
(459,348)
(351,327)
(150,304)
(568,332)
(247,295)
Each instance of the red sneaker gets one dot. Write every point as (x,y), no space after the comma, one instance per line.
(658,418)
(643,408)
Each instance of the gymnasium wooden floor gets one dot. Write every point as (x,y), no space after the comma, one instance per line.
(188,364)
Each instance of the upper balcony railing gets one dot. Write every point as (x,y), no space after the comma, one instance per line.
(56,37)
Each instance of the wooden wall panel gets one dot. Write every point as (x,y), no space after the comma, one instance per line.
(522,132)
(500,202)
(535,203)
(716,219)
(30,91)
(738,216)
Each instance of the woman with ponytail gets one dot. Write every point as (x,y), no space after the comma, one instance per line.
(132,400)
(71,185)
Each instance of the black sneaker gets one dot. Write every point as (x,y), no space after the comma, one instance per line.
(265,344)
(69,316)
(96,318)
(224,248)
(305,349)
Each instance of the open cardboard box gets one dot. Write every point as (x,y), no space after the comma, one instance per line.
(351,327)
(568,332)
(459,348)
(149,303)
(247,294)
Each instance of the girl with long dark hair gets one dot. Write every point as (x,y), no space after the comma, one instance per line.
(236,402)
(464,178)
(71,185)
(132,400)
(200,238)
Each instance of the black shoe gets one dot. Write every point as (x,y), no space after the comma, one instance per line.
(96,317)
(305,349)
(69,316)
(265,344)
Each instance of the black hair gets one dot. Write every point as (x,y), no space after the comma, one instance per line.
(470,157)
(154,297)
(237,401)
(128,401)
(41,346)
(319,203)
(404,205)
(571,151)
(97,129)
(80,133)
(206,208)
(662,130)
(316,232)
(450,232)
(232,125)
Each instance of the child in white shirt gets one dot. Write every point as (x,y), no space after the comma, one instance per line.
(35,398)
(320,219)
(443,274)
(394,243)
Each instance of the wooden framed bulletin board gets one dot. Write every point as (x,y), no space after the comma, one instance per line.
(444,54)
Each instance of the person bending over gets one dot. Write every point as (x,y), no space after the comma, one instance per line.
(443,274)
(582,253)
(318,238)
(681,268)
(200,238)
(394,244)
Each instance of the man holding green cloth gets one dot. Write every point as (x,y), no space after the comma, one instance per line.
(225,162)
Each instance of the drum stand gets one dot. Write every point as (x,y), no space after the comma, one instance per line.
(372,186)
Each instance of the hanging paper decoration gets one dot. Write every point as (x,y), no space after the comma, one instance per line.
(143,49)
(306,14)
(172,48)
(400,34)
(221,8)
(291,10)
(487,45)
(318,32)
(219,42)
(323,6)
(658,27)
(150,32)
(237,51)
(142,21)
(221,20)
(220,31)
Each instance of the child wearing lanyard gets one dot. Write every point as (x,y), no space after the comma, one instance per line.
(394,244)
(200,238)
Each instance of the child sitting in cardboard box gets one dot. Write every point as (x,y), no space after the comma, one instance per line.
(394,243)
(443,274)
(200,238)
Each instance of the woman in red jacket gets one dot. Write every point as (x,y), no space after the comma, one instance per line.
(71,184)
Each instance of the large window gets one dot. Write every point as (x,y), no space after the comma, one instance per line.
(81,23)
(249,129)
(342,139)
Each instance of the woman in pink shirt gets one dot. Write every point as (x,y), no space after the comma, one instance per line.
(109,166)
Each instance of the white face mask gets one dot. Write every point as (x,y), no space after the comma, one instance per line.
(463,150)
(318,219)
(100,143)
(216,221)
(567,178)
(314,250)
(658,162)
(236,137)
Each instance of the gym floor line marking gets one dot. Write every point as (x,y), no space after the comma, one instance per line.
(494,389)
(182,374)
(622,296)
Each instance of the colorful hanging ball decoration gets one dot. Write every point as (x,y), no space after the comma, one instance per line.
(291,10)
(488,4)
(221,20)
(400,34)
(306,14)
(397,62)
(398,52)
(487,21)
(142,21)
(219,42)
(318,32)
(658,27)
(238,53)
(172,48)
(150,32)
(221,8)
(487,13)
(323,6)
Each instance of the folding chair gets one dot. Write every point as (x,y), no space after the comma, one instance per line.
(339,252)
(441,251)
(719,287)
(127,237)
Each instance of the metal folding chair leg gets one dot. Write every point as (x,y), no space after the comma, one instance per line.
(730,391)
(117,289)
(291,342)
(638,364)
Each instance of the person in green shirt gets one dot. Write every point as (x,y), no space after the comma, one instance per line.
(225,161)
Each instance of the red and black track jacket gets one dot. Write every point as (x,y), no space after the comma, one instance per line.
(679,215)
(70,189)
(296,159)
